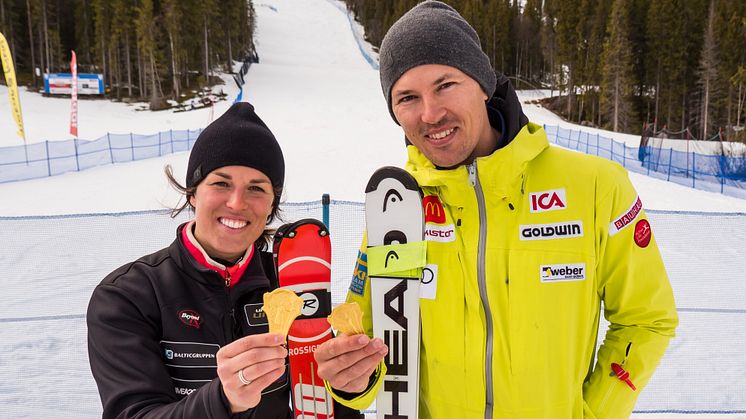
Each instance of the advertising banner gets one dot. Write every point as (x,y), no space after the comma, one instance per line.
(61,84)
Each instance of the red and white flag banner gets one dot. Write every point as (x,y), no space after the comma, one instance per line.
(74,95)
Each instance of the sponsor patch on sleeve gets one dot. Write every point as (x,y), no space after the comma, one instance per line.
(626,218)
(643,233)
(360,276)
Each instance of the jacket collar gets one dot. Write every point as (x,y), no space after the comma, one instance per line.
(197,255)
(505,111)
(501,173)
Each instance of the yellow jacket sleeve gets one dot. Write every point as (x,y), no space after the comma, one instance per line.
(637,296)
(359,292)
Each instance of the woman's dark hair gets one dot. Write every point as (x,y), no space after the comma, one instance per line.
(262,242)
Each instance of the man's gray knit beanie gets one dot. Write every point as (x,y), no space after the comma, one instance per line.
(433,33)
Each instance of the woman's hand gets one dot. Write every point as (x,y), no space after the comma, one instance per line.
(347,362)
(259,360)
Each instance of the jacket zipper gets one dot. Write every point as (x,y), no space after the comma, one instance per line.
(230,332)
(482,282)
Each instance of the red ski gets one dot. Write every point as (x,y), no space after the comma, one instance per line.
(303,255)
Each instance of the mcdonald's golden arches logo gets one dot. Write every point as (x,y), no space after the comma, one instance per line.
(434,211)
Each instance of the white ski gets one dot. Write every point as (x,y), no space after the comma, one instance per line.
(396,255)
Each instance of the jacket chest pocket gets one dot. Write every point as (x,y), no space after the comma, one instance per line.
(553,306)
(190,364)
(253,319)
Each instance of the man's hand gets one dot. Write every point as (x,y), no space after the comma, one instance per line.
(347,362)
(260,359)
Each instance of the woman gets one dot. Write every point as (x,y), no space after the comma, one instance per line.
(180,333)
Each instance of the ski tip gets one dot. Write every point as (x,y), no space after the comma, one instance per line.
(288,230)
(388,172)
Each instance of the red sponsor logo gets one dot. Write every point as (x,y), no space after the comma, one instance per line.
(628,216)
(434,211)
(190,318)
(643,233)
(548,200)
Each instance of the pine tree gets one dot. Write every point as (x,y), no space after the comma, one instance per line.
(617,82)
(532,38)
(666,25)
(568,21)
(596,32)
(709,78)
(496,36)
(146,41)
(7,25)
(638,29)
(731,34)
(739,80)
(549,43)
(695,14)
(172,16)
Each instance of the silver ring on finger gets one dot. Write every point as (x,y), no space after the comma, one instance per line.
(243,379)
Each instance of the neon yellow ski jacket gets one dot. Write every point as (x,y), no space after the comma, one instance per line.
(524,246)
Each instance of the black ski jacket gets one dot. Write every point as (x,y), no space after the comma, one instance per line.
(155,326)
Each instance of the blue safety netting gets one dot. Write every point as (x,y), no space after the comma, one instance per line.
(713,173)
(51,158)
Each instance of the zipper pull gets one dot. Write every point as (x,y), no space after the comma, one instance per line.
(472,168)
(619,371)
(227,279)
(523,184)
(622,374)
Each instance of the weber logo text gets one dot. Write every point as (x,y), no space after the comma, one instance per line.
(551,231)
(548,200)
(562,272)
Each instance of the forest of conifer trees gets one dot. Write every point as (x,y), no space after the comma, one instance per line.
(680,64)
(146,49)
(617,64)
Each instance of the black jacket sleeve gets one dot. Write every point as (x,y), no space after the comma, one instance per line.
(125,358)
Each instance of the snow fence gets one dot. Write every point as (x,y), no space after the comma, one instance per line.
(721,174)
(51,265)
(714,173)
(50,158)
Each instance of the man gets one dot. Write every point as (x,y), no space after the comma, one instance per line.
(540,237)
